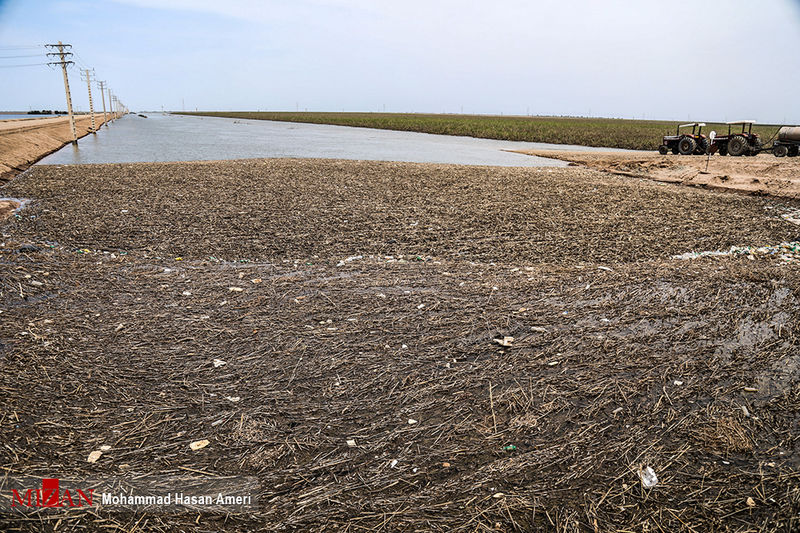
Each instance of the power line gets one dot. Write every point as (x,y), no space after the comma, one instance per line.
(17,57)
(26,65)
(23,47)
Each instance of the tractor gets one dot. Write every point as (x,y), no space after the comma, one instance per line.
(685,143)
(739,143)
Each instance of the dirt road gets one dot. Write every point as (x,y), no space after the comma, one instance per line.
(763,174)
(25,141)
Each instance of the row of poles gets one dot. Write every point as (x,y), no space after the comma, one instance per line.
(61,56)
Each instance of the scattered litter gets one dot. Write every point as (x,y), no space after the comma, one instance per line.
(750,389)
(617,411)
(393,463)
(349,259)
(510,448)
(219,362)
(750,502)
(504,341)
(119,327)
(498,495)
(186,293)
(199,444)
(604,268)
(553,363)
(745,411)
(351,443)
(235,289)
(538,329)
(446,465)
(412,421)
(36,283)
(677,383)
(255,281)
(233,399)
(787,252)
(420,306)
(648,477)
(94,456)
(105,447)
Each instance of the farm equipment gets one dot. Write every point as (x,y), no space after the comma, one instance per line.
(685,143)
(739,143)
(787,143)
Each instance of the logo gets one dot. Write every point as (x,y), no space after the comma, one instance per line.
(50,495)
(29,495)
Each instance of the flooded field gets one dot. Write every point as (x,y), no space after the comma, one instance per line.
(404,347)
(182,138)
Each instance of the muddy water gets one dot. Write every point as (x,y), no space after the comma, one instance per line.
(181,138)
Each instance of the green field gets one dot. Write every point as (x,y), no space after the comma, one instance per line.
(613,133)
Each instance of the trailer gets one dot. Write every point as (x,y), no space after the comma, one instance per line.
(787,143)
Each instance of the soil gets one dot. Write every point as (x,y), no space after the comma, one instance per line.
(371,296)
(25,141)
(762,174)
(7,208)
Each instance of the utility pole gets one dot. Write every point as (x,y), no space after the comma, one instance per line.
(110,104)
(102,85)
(91,104)
(63,61)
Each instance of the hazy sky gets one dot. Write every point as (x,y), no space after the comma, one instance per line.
(638,58)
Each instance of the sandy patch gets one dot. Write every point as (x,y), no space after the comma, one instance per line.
(763,174)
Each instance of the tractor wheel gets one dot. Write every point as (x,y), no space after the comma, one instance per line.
(723,149)
(702,147)
(686,146)
(738,146)
(793,151)
(780,150)
(662,149)
(754,148)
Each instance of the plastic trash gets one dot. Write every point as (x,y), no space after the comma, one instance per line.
(504,341)
(199,444)
(648,477)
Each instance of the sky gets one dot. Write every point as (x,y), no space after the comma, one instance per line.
(678,60)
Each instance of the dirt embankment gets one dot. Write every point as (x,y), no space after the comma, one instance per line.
(763,174)
(25,141)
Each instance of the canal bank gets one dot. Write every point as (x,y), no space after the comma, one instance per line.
(25,141)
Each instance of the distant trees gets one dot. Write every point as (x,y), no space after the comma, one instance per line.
(46,112)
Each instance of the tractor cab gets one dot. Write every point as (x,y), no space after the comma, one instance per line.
(747,126)
(685,143)
(697,128)
(737,143)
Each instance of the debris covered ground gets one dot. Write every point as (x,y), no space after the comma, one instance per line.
(403,346)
